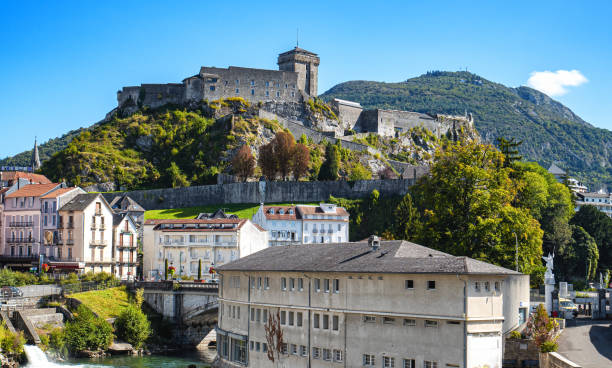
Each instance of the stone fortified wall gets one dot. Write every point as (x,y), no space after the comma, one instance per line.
(263,191)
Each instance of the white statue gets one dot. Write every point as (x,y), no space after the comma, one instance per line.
(549,262)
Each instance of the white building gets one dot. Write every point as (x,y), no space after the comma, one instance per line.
(325,223)
(601,200)
(184,243)
(125,246)
(376,304)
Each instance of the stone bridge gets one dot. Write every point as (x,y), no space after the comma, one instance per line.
(191,306)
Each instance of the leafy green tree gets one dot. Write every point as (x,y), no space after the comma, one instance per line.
(87,332)
(329,169)
(176,178)
(509,148)
(599,226)
(359,172)
(578,259)
(133,326)
(407,225)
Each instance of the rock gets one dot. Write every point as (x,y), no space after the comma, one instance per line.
(120,348)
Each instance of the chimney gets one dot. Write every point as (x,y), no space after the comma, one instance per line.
(374,242)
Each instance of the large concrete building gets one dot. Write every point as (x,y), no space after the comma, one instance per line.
(325,223)
(368,304)
(297,75)
(185,243)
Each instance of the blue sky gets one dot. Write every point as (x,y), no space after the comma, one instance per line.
(62,62)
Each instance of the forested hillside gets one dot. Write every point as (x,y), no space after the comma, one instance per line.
(550,131)
(45,150)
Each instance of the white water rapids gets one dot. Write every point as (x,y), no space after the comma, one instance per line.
(38,359)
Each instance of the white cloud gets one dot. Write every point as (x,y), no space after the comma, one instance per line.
(555,83)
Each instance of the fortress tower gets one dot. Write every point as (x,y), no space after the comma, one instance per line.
(306,64)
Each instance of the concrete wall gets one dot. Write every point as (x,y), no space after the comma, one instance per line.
(273,192)
(516,296)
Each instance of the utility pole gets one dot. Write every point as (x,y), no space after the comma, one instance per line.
(516,251)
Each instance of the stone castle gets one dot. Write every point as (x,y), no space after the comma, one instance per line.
(293,84)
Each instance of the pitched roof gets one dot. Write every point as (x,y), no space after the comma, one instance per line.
(14,175)
(317,210)
(125,203)
(58,192)
(396,256)
(281,216)
(218,214)
(556,170)
(81,201)
(118,217)
(296,50)
(33,190)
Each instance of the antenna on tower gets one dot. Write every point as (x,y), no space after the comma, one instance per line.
(297,37)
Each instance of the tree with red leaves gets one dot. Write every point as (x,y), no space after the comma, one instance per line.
(243,163)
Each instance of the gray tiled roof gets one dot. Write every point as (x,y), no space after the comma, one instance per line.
(118,204)
(396,256)
(81,201)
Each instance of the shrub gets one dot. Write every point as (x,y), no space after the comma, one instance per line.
(133,326)
(11,343)
(87,332)
(515,335)
(548,347)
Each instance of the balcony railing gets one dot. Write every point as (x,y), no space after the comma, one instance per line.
(198,244)
(60,225)
(21,241)
(69,241)
(64,259)
(70,225)
(19,258)
(98,242)
(21,224)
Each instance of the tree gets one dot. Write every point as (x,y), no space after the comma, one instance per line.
(466,207)
(268,161)
(243,163)
(509,148)
(578,259)
(542,329)
(408,224)
(284,148)
(301,160)
(133,326)
(274,337)
(599,226)
(87,331)
(176,178)
(329,169)
(359,172)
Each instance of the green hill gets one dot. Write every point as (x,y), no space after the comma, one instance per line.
(550,131)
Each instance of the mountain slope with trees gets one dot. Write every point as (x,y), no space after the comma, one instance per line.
(550,131)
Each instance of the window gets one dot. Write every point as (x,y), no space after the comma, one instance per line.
(277,94)
(283,283)
(326,285)
(298,319)
(283,317)
(409,284)
(431,285)
(303,351)
(252,82)
(337,355)
(430,323)
(265,316)
(237,90)
(453,322)
(430,364)
(266,283)
(409,322)
(409,363)
(316,353)
(369,319)
(251,345)
(264,347)
(388,362)
(477,286)
(327,354)
(257,346)
(497,286)
(258,315)
(294,350)
(267,93)
(317,285)
(252,314)
(291,318)
(253,283)
(238,312)
(301,284)
(315,322)
(369,360)
(388,320)
(335,323)
(336,286)
(284,348)
(237,81)
(326,322)
(212,88)
(267,84)
(487,286)
(292,284)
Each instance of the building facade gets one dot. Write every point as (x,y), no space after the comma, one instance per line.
(297,75)
(85,232)
(186,243)
(23,226)
(325,223)
(125,246)
(601,200)
(369,304)
(50,205)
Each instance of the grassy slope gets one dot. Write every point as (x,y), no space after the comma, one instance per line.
(106,303)
(245,210)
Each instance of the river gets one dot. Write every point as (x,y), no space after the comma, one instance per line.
(201,359)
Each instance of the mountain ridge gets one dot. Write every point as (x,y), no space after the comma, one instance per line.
(550,131)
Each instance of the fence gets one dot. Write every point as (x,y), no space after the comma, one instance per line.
(88,286)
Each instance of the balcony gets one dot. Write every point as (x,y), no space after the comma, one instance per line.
(69,241)
(21,224)
(97,243)
(21,240)
(63,259)
(315,230)
(60,225)
(19,258)
(70,225)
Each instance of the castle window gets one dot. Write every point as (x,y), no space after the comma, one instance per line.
(212,88)
(237,90)
(252,92)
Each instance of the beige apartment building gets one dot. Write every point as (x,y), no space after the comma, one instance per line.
(366,304)
(125,246)
(85,232)
(184,243)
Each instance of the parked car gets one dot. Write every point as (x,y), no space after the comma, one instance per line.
(10,292)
